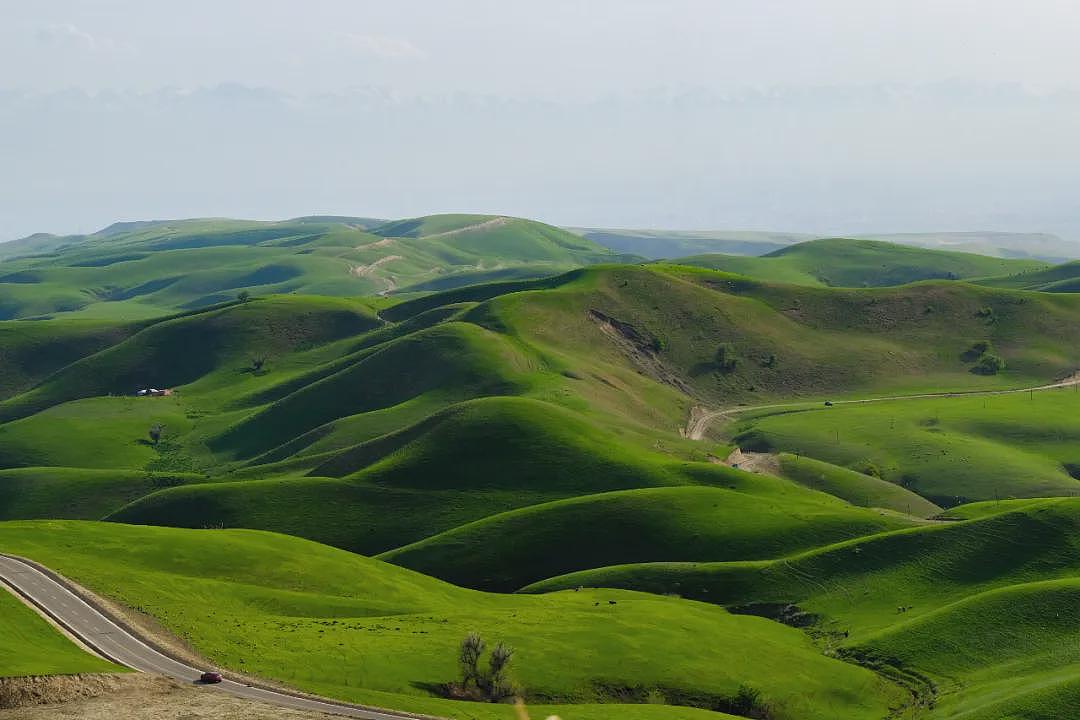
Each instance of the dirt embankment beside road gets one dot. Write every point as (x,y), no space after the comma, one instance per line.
(19,692)
(129,696)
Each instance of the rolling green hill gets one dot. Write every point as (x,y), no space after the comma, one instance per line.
(978,616)
(577,387)
(538,432)
(949,449)
(358,629)
(760,518)
(138,270)
(1059,278)
(839,262)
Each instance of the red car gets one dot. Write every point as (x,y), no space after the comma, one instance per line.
(210,677)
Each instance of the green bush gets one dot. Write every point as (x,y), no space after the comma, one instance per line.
(976,351)
(989,364)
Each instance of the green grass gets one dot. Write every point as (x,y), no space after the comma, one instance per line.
(354,628)
(31,646)
(761,518)
(102,432)
(983,609)
(149,269)
(30,352)
(183,349)
(855,487)
(863,581)
(839,262)
(77,493)
(949,450)
(1003,643)
(473,460)
(789,341)
(1059,278)
(527,433)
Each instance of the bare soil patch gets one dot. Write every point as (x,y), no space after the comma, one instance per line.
(134,696)
(761,463)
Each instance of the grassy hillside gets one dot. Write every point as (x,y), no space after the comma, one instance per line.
(485,457)
(30,352)
(78,493)
(671,323)
(948,449)
(138,270)
(533,432)
(31,646)
(1059,278)
(358,629)
(177,351)
(401,431)
(761,518)
(857,488)
(978,612)
(838,262)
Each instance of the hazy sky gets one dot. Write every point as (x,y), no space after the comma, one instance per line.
(822,116)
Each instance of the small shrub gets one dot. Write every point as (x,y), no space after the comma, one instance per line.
(868,467)
(748,703)
(986,313)
(725,362)
(768,361)
(243,296)
(989,364)
(976,351)
(155,432)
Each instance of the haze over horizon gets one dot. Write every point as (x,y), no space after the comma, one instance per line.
(833,117)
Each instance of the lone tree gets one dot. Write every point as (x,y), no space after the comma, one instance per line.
(498,686)
(472,647)
(155,432)
(257,363)
(243,296)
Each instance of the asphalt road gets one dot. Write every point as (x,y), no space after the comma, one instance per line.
(115,643)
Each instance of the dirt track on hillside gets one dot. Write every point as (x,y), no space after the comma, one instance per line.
(485,225)
(366,270)
(700,417)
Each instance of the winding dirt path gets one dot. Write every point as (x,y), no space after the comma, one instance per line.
(486,224)
(366,270)
(700,417)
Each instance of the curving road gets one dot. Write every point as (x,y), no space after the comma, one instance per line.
(63,607)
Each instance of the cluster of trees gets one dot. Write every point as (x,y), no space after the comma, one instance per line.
(478,683)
